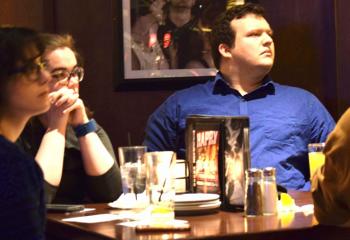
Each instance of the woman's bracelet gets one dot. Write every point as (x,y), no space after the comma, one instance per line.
(83,129)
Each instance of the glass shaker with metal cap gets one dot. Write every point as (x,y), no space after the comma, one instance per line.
(270,196)
(253,193)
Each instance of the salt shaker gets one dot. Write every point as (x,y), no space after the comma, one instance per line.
(253,192)
(270,196)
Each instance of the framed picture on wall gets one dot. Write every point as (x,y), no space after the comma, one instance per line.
(153,50)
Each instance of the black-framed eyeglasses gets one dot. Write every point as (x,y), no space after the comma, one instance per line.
(62,75)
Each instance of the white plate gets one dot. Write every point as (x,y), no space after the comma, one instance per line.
(200,207)
(195,197)
(195,203)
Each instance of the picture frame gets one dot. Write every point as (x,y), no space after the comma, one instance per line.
(130,75)
(154,56)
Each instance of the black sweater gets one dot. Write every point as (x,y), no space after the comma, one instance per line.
(22,209)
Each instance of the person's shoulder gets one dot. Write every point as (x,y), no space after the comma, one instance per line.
(8,149)
(343,123)
(294,91)
(194,91)
(346,114)
(11,154)
(302,98)
(14,166)
(184,97)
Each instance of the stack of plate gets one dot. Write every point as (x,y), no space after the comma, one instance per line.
(196,203)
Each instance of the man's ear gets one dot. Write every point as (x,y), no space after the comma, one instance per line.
(224,50)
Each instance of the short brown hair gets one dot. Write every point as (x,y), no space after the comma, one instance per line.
(54,41)
(222,31)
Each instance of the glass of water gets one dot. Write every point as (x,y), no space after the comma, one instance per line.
(133,169)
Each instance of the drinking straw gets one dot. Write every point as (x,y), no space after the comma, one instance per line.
(139,166)
(162,191)
(129,139)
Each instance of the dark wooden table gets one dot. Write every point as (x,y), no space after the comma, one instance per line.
(220,225)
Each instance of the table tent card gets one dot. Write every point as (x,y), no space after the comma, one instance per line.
(218,154)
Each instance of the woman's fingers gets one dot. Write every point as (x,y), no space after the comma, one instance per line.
(66,100)
(77,104)
(63,96)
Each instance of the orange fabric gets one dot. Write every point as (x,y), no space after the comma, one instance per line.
(331,184)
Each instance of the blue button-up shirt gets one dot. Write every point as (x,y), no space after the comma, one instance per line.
(283,120)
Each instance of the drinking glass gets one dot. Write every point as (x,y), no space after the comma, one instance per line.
(160,174)
(133,169)
(316,157)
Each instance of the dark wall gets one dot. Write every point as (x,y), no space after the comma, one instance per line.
(28,13)
(312,44)
(304,33)
(343,54)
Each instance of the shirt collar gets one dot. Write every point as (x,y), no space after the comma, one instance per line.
(220,86)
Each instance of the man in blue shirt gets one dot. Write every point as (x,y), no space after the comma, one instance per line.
(283,119)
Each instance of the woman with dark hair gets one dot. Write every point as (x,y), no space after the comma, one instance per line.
(24,86)
(73,151)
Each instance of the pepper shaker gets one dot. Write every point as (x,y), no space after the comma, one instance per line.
(253,193)
(270,196)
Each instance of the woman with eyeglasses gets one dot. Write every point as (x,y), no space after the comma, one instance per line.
(73,151)
(24,92)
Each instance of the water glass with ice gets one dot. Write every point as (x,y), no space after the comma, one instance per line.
(133,170)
